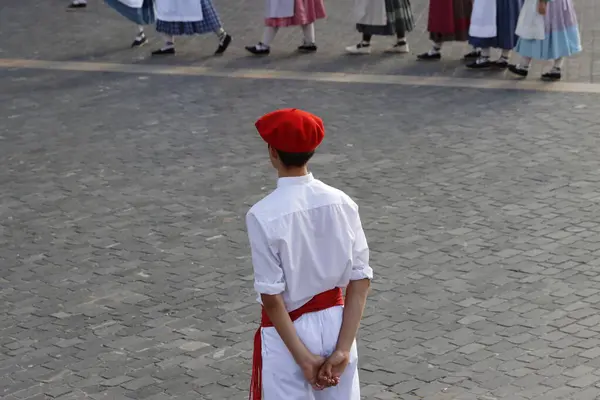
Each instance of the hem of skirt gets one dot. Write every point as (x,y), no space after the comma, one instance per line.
(184,33)
(278,23)
(448,37)
(377,30)
(535,47)
(491,42)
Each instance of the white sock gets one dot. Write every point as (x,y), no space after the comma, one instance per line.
(437,48)
(169,41)
(269,35)
(309,33)
(525,62)
(558,63)
(141,33)
(505,54)
(220,32)
(485,53)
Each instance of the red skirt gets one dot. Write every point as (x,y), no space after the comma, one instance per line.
(305,12)
(449,20)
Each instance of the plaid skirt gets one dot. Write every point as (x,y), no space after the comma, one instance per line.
(210,23)
(400,20)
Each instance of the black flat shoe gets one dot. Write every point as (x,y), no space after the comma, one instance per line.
(163,52)
(139,41)
(258,52)
(501,63)
(77,6)
(480,64)
(472,55)
(429,56)
(552,76)
(515,69)
(307,48)
(223,44)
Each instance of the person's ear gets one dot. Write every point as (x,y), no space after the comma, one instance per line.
(273,153)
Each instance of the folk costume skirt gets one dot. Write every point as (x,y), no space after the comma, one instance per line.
(139,16)
(507,16)
(305,12)
(400,20)
(210,23)
(562,34)
(449,20)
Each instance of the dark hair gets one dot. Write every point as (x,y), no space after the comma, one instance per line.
(294,159)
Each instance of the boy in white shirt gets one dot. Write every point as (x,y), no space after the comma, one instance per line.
(307,244)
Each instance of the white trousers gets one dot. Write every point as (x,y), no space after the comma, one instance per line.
(282,378)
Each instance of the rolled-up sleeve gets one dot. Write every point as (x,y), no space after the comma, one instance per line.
(360,252)
(268,275)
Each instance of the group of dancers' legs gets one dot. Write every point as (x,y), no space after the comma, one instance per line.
(484,24)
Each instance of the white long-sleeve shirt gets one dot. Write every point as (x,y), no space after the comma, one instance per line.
(306,238)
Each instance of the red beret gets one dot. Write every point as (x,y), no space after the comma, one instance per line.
(291,130)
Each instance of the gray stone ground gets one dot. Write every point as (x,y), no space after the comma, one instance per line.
(124,268)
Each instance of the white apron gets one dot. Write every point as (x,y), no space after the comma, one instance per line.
(370,12)
(132,3)
(531,23)
(282,377)
(483,19)
(179,10)
(279,8)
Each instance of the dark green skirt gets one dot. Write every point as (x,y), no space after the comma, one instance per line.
(399,20)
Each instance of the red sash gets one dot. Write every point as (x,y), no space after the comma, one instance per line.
(322,301)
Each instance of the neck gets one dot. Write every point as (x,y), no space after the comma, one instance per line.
(291,172)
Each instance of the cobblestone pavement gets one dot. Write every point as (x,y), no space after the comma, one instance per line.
(98,33)
(124,268)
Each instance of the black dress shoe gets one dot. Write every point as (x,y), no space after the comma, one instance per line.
(76,6)
(223,44)
(307,48)
(553,75)
(429,56)
(139,41)
(164,51)
(481,63)
(264,51)
(472,55)
(501,63)
(517,70)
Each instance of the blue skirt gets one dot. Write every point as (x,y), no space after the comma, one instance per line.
(507,15)
(209,23)
(562,34)
(140,16)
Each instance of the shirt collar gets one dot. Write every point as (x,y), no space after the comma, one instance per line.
(295,180)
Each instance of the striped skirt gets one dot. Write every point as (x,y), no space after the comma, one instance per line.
(210,23)
(507,15)
(449,20)
(562,34)
(400,20)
